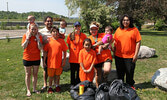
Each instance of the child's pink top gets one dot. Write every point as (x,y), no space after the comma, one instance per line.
(104,39)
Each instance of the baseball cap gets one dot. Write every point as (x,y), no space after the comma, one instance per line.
(77,23)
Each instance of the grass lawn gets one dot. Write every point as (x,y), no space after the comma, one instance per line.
(12,83)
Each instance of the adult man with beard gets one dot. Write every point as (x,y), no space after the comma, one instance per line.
(48,21)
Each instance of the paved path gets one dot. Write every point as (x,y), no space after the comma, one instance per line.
(19,33)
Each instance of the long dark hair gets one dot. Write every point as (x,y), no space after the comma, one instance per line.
(130,19)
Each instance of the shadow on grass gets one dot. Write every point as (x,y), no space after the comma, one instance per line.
(154,33)
(65,87)
(144,85)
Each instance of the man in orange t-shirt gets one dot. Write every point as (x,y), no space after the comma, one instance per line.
(53,50)
(127,43)
(87,59)
(75,44)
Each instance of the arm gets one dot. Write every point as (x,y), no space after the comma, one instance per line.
(90,68)
(40,47)
(97,44)
(44,55)
(64,59)
(81,64)
(136,51)
(25,44)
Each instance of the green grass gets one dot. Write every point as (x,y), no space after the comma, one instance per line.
(12,85)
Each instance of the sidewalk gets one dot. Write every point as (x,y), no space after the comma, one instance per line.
(19,33)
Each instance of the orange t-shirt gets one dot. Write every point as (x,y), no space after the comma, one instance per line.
(75,46)
(87,58)
(55,49)
(31,53)
(125,42)
(106,53)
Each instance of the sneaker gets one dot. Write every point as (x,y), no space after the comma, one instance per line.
(58,89)
(50,90)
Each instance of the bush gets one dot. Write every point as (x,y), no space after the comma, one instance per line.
(115,25)
(3,25)
(18,27)
(160,25)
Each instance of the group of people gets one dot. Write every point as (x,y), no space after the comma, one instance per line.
(89,56)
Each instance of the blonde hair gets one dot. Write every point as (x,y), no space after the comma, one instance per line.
(33,25)
(30,17)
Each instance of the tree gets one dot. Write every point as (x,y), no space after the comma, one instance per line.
(95,10)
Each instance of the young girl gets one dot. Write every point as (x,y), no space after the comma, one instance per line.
(107,39)
(87,59)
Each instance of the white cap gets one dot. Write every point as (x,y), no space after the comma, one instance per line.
(93,26)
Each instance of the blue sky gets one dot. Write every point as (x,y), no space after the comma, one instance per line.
(55,6)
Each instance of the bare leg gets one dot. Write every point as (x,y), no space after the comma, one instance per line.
(50,81)
(27,79)
(107,69)
(45,76)
(57,79)
(35,77)
(98,74)
(100,49)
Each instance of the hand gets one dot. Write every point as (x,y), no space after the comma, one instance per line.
(37,37)
(85,71)
(44,65)
(134,59)
(63,64)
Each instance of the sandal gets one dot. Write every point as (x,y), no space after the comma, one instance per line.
(36,91)
(43,89)
(28,94)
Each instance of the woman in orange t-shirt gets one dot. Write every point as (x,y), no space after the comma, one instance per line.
(104,59)
(87,59)
(75,42)
(127,43)
(31,42)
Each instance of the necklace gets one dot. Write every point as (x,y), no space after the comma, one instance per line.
(94,38)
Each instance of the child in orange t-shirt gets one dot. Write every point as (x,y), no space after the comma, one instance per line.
(87,59)
(53,50)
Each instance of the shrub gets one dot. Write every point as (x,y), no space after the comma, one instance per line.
(160,25)
(3,25)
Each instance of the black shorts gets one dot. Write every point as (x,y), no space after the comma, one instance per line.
(31,63)
(101,64)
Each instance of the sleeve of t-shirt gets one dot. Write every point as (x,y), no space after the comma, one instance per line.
(65,48)
(94,57)
(80,57)
(68,39)
(23,38)
(41,39)
(138,36)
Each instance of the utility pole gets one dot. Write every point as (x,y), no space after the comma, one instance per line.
(7,12)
